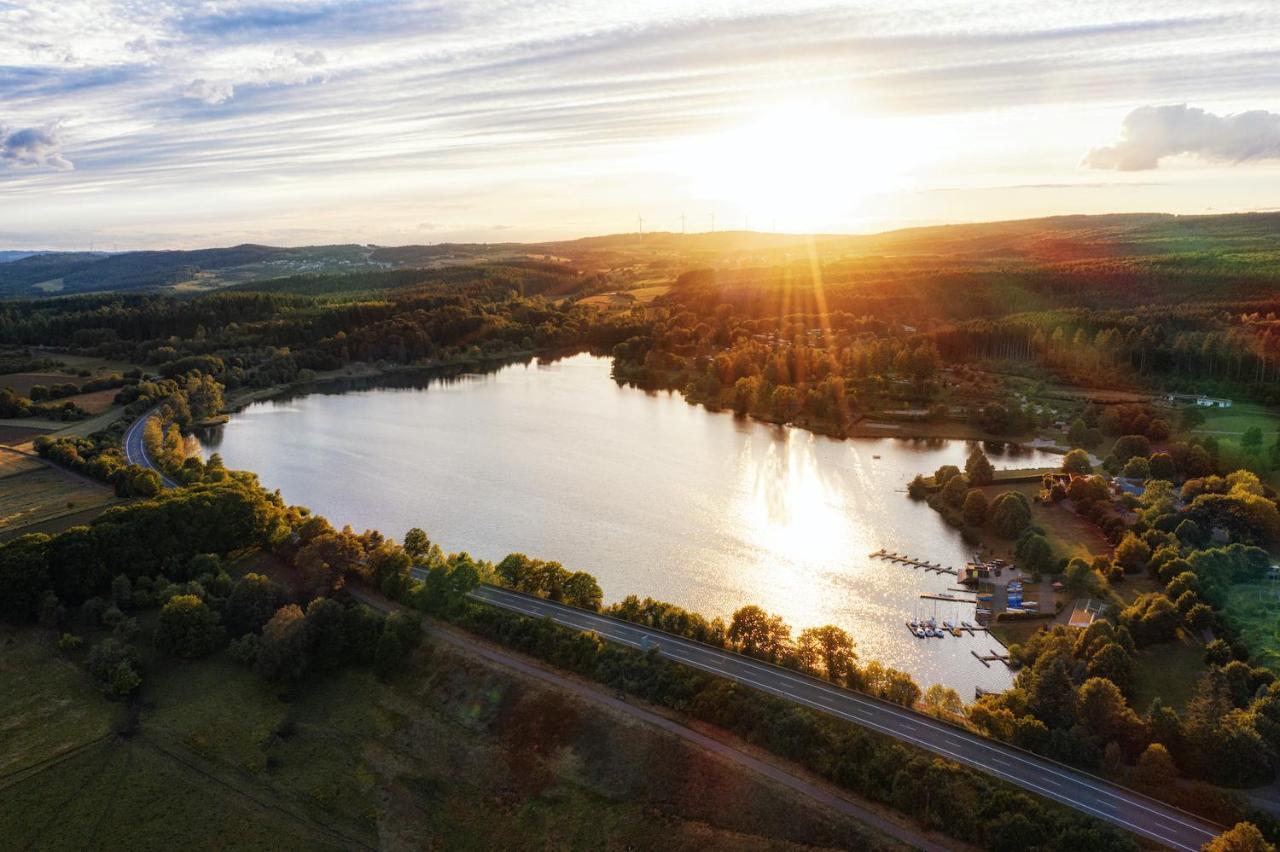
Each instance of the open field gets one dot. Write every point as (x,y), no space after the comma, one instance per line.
(13,435)
(1254,608)
(1232,422)
(95,365)
(41,494)
(22,383)
(457,753)
(1168,670)
(56,710)
(95,402)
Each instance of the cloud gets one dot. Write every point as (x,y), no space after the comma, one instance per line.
(33,147)
(209,91)
(1151,133)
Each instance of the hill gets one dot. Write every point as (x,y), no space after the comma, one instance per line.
(1227,245)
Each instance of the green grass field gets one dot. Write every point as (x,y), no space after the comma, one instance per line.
(1254,609)
(1170,671)
(1232,422)
(455,754)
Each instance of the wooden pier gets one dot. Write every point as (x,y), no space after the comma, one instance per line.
(992,657)
(912,562)
(950,599)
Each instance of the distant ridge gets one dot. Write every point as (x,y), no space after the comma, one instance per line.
(1074,237)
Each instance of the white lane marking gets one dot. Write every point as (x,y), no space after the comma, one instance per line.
(1077,780)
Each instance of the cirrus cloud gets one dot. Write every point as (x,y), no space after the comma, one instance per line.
(1151,133)
(33,147)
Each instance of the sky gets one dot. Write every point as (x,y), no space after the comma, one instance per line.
(128,124)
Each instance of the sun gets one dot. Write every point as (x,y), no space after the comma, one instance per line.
(797,165)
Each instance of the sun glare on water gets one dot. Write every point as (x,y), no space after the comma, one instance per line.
(799,166)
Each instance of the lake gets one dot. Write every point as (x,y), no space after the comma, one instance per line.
(653,496)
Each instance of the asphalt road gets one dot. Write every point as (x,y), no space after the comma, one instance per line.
(1142,815)
(135,451)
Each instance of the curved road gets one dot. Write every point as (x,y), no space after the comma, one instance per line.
(1134,812)
(135,450)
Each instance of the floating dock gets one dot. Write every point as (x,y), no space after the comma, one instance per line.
(912,562)
(994,656)
(950,599)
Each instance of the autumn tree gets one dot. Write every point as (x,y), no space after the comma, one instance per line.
(1242,837)
(827,651)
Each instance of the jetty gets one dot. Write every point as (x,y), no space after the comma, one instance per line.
(994,656)
(950,599)
(912,562)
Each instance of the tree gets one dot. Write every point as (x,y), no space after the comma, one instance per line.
(945,474)
(827,651)
(1133,554)
(979,468)
(416,542)
(1137,467)
(1152,618)
(975,508)
(582,590)
(253,600)
(1077,435)
(1102,710)
(954,492)
(1077,462)
(1034,554)
(1010,514)
(188,628)
(1161,466)
(942,701)
(1156,768)
(285,651)
(1128,446)
(113,666)
(1115,664)
(917,488)
(1081,578)
(759,634)
(1251,440)
(1242,837)
(327,633)
(1189,532)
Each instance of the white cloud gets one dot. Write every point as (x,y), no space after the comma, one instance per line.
(33,147)
(209,91)
(1151,133)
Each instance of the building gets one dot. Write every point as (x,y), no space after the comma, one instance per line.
(1086,610)
(1197,399)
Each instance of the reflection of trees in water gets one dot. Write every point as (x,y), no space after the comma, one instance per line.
(919,443)
(785,474)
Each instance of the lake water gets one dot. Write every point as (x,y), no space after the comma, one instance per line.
(650,494)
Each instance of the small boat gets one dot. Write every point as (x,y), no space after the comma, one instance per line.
(875,457)
(946,625)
